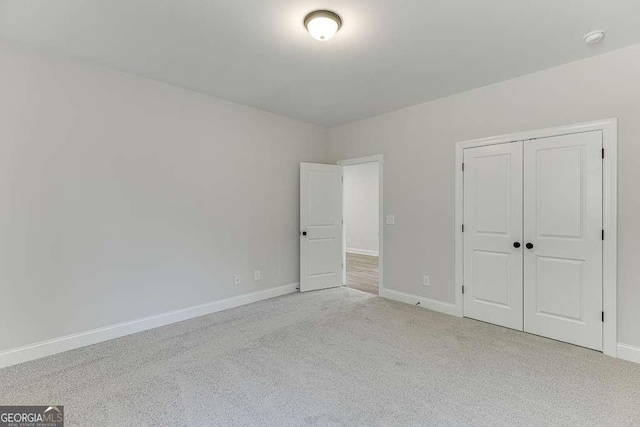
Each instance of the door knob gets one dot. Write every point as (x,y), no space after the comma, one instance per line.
(304,233)
(516,245)
(529,245)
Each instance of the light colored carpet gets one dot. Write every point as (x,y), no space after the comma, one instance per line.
(362,272)
(335,357)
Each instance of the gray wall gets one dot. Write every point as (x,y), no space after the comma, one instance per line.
(123,198)
(361,206)
(418,147)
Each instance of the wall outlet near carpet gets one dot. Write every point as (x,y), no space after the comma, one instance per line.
(236,279)
(256,275)
(425,281)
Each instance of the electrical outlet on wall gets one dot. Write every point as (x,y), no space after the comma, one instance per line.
(256,275)
(236,279)
(391,219)
(425,281)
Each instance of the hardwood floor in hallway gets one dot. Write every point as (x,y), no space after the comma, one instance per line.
(362,272)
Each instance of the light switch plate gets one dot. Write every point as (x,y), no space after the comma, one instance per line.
(425,281)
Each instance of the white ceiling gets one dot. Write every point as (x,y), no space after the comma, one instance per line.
(389,54)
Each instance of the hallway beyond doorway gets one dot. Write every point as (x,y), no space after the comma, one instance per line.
(362,272)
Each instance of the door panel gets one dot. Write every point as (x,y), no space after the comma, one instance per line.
(563,222)
(491,277)
(560,287)
(559,201)
(492,223)
(320,226)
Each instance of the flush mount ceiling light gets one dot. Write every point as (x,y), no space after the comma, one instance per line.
(322,24)
(594,37)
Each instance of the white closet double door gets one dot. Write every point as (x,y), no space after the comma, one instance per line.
(533,236)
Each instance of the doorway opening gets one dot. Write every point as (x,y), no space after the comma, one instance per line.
(361,195)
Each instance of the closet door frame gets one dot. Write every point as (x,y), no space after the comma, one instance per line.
(609,128)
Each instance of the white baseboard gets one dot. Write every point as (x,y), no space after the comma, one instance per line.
(362,252)
(431,304)
(82,339)
(629,352)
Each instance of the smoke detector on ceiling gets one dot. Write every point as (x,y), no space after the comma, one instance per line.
(594,37)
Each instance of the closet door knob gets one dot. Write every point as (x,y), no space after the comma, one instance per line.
(516,245)
(529,245)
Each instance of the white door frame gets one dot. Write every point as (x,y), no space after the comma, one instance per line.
(378,158)
(609,128)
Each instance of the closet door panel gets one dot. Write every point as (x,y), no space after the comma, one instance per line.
(562,229)
(492,224)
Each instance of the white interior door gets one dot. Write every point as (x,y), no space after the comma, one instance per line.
(492,225)
(320,226)
(563,237)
